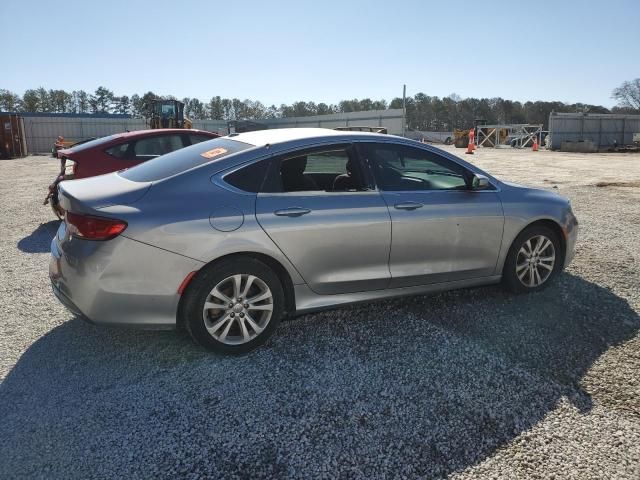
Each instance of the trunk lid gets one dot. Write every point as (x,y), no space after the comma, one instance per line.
(90,194)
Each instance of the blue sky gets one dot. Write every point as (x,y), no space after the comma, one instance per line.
(324,51)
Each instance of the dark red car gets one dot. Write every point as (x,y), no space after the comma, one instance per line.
(117,152)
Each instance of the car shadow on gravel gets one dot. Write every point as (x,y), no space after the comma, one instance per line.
(39,241)
(417,387)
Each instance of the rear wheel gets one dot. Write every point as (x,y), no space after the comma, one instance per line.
(533,261)
(234,306)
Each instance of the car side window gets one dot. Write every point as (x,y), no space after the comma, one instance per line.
(118,151)
(326,169)
(400,168)
(249,178)
(157,145)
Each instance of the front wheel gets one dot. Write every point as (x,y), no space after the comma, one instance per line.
(533,261)
(233,306)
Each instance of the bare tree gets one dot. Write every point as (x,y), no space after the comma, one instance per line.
(628,94)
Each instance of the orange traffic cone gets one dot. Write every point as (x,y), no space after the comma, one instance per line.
(535,144)
(471,146)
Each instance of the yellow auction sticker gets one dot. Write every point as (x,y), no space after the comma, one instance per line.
(213,153)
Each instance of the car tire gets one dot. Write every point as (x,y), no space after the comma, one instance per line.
(220,318)
(526,269)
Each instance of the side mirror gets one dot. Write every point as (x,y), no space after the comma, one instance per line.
(479,182)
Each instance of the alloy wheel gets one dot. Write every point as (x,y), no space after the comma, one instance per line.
(535,261)
(238,309)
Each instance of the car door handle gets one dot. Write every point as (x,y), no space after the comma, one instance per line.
(292,212)
(408,205)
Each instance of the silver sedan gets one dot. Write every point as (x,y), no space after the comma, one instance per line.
(227,237)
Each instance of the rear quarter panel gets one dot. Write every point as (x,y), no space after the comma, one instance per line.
(191,216)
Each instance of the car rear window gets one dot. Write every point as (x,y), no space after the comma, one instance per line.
(92,143)
(184,159)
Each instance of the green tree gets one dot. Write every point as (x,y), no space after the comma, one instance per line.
(31,101)
(273,112)
(9,101)
(214,109)
(227,109)
(143,106)
(324,109)
(122,105)
(346,106)
(254,109)
(44,102)
(80,101)
(194,109)
(101,101)
(379,105)
(60,101)
(299,109)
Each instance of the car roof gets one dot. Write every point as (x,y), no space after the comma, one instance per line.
(117,138)
(159,131)
(282,135)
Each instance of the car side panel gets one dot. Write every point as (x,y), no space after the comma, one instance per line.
(524,206)
(118,282)
(451,236)
(192,216)
(341,244)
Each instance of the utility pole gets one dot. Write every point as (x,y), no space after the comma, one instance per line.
(404,108)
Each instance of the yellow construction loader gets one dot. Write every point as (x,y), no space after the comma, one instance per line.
(168,114)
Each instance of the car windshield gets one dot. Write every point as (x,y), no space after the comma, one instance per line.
(184,159)
(92,143)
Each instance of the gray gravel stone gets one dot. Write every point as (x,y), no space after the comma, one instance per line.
(470,384)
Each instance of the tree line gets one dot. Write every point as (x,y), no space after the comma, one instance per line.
(424,112)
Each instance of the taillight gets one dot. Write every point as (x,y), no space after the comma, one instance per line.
(94,228)
(74,169)
(67,164)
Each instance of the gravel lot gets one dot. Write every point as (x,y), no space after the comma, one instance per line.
(469,384)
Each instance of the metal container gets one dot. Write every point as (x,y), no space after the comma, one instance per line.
(603,130)
(12,138)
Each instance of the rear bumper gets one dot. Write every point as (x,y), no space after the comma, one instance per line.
(66,301)
(118,282)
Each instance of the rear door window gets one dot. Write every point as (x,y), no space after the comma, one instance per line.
(328,169)
(119,151)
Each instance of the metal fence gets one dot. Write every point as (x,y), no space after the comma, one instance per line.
(603,130)
(431,137)
(390,119)
(42,131)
